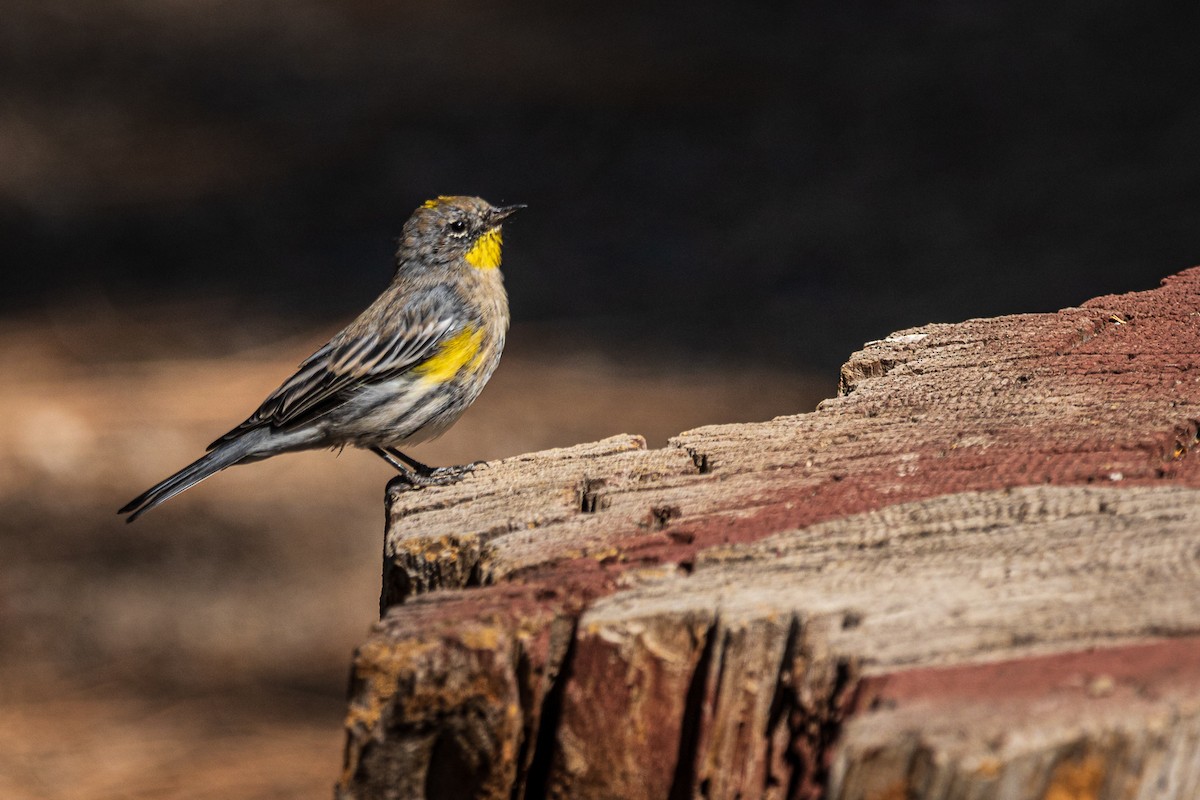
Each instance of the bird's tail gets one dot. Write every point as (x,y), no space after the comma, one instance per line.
(226,455)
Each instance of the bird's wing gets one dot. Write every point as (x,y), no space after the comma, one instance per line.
(353,359)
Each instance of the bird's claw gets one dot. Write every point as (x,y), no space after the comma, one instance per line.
(437,476)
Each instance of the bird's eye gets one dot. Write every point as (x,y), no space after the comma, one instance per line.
(458,226)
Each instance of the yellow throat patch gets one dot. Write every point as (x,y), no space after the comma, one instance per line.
(454,353)
(485,253)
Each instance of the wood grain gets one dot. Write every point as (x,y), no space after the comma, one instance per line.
(968,575)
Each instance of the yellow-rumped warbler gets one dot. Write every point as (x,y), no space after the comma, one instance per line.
(401,373)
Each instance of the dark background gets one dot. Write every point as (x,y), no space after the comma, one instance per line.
(784,180)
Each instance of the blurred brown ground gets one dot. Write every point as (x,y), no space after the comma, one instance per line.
(203,652)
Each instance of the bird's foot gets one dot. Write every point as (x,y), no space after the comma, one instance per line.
(432,476)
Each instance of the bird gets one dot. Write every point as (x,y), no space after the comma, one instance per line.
(402,372)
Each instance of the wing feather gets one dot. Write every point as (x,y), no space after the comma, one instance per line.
(360,355)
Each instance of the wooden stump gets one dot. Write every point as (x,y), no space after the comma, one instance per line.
(973,574)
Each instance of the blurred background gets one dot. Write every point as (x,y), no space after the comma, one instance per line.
(724,200)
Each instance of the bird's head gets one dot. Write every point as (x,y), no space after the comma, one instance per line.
(450,229)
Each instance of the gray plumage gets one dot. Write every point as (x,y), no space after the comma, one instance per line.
(402,372)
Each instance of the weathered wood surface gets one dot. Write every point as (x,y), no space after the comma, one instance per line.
(973,574)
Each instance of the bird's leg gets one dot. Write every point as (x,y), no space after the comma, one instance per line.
(416,466)
(425,475)
(415,474)
(405,478)
(390,459)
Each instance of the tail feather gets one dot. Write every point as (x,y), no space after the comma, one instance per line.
(204,467)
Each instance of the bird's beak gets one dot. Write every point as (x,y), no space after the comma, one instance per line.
(502,213)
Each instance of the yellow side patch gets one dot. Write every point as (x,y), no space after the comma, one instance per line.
(455,353)
(485,253)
